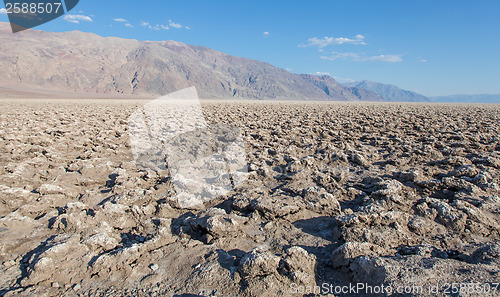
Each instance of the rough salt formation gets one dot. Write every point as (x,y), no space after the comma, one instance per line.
(337,193)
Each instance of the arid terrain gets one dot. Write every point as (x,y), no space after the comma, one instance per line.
(380,194)
(82,64)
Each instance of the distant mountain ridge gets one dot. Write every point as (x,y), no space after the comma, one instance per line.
(480,98)
(85,62)
(389,92)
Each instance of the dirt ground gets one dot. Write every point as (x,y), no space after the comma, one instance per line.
(403,198)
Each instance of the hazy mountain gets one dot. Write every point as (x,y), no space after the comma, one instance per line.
(482,98)
(389,92)
(85,62)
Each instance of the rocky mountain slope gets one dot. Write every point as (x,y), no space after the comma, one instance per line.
(87,63)
(389,92)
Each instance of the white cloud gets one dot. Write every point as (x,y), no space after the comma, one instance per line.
(423,60)
(28,16)
(265,34)
(175,25)
(385,58)
(325,41)
(77,18)
(155,27)
(159,27)
(321,73)
(342,56)
(362,58)
(3,11)
(126,23)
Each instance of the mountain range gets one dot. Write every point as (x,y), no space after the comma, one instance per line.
(481,98)
(389,92)
(43,64)
(85,63)
(393,93)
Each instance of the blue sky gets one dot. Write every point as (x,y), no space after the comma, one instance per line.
(437,47)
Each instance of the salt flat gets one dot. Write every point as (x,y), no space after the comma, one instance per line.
(397,194)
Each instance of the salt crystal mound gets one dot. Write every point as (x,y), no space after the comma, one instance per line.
(170,133)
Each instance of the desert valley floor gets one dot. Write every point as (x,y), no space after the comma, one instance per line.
(379,194)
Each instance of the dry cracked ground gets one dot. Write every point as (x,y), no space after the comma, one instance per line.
(398,195)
